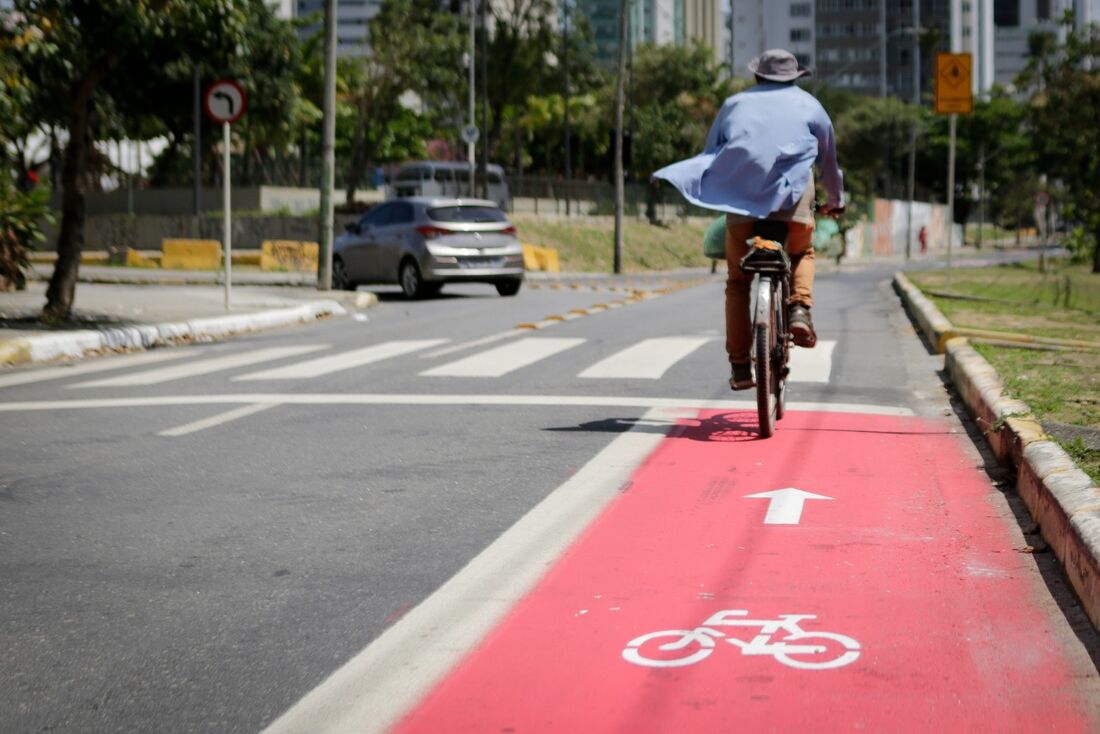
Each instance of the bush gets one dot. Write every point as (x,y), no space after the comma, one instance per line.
(1079,244)
(21,216)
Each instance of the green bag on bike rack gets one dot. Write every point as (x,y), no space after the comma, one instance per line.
(714,241)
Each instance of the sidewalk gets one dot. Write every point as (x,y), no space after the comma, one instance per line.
(123,316)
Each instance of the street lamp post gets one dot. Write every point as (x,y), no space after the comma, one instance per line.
(913,132)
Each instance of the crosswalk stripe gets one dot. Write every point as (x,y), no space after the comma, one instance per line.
(503,359)
(95,365)
(343,361)
(812,365)
(203,367)
(646,360)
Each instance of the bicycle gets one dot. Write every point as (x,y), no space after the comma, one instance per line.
(770,268)
(796,649)
(767,262)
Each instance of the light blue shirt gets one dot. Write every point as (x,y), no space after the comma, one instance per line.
(760,154)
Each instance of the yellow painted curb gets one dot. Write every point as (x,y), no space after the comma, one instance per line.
(188,254)
(14,351)
(289,255)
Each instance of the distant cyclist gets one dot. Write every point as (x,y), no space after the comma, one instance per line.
(758,164)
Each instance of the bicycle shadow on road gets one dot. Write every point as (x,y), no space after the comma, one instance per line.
(734,426)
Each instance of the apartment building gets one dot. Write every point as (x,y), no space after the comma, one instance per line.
(352,19)
(654,21)
(750,27)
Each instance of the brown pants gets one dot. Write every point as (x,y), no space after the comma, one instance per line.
(800,248)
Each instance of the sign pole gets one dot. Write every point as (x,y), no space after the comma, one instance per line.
(954,95)
(951,194)
(225,103)
(228,225)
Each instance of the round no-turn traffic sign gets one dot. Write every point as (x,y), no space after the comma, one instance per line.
(225,101)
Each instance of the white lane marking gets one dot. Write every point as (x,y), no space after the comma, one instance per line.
(342,361)
(491,339)
(503,359)
(96,365)
(216,420)
(343,399)
(203,367)
(373,689)
(646,360)
(812,365)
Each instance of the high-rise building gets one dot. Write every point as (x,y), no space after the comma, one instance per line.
(758,25)
(352,19)
(660,22)
(702,21)
(1013,22)
(870,46)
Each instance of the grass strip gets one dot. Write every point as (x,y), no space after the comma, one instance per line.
(1062,386)
(588,246)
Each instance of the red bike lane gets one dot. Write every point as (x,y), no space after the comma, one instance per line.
(919,611)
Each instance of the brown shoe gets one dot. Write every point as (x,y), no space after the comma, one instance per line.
(741,377)
(802,326)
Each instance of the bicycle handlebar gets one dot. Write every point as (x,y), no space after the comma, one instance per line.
(828,211)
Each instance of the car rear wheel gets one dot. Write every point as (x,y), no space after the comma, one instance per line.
(340,279)
(508,287)
(411,282)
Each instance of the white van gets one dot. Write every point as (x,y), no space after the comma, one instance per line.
(446,179)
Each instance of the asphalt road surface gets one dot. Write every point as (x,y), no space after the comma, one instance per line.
(422,518)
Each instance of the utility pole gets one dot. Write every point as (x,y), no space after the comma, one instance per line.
(981,193)
(568,142)
(913,132)
(328,150)
(733,47)
(197,152)
(618,165)
(471,144)
(484,163)
(882,49)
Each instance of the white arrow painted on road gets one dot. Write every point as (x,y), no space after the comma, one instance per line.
(786,504)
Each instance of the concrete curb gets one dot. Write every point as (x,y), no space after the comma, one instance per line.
(75,344)
(1061,498)
(937,329)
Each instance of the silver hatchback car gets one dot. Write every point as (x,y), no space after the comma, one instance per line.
(421,243)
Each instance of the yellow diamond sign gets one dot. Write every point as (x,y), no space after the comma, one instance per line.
(954,93)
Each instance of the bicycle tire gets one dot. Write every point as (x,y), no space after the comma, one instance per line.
(781,351)
(764,337)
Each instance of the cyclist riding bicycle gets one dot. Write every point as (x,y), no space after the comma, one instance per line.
(758,165)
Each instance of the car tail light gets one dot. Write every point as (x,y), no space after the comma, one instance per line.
(430,232)
(510,229)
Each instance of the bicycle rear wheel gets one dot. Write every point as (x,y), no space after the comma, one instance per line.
(779,360)
(764,334)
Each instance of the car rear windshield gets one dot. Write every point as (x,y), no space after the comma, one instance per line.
(467,214)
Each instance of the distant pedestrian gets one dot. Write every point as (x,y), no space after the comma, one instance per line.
(922,237)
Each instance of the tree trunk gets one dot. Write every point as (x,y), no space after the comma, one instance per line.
(355,167)
(1096,251)
(70,239)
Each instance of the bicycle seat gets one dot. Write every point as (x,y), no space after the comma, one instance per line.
(765,256)
(772,230)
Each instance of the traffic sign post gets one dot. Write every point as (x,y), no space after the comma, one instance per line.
(954,90)
(225,102)
(954,96)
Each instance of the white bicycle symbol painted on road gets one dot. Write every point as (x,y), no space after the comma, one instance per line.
(797,648)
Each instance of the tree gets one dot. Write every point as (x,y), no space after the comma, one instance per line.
(677,93)
(1065,121)
(873,138)
(414,47)
(94,60)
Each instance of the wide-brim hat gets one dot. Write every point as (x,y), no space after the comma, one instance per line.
(778,65)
